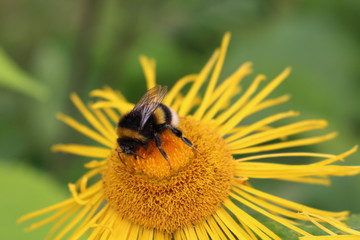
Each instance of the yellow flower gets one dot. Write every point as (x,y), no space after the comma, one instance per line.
(203,194)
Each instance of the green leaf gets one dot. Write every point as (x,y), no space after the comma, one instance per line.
(12,77)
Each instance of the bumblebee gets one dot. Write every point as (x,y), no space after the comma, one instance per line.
(145,123)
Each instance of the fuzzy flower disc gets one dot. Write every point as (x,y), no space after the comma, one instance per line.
(150,193)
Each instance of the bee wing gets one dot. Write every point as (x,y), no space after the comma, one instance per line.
(150,102)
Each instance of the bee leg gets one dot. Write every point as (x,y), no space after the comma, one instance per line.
(179,134)
(121,159)
(158,144)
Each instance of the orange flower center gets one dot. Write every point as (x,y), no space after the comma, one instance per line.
(151,193)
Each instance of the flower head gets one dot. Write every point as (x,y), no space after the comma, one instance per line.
(198,192)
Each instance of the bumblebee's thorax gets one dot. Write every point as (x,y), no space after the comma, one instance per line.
(145,123)
(129,125)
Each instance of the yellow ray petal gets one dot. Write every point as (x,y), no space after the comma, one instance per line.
(190,233)
(289,204)
(228,221)
(205,103)
(243,127)
(201,232)
(95,164)
(86,209)
(70,206)
(269,206)
(148,66)
(225,91)
(232,81)
(240,103)
(56,215)
(321,180)
(83,150)
(58,224)
(248,230)
(255,126)
(179,85)
(134,231)
(337,237)
(182,234)
(292,154)
(225,228)
(95,213)
(123,108)
(220,104)
(75,195)
(112,114)
(268,103)
(110,127)
(337,158)
(106,218)
(191,95)
(85,130)
(279,171)
(63,204)
(108,93)
(213,229)
(280,132)
(177,103)
(258,228)
(287,223)
(319,225)
(287,144)
(82,182)
(90,117)
(147,234)
(334,222)
(238,117)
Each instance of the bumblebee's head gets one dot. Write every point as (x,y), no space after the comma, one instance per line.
(129,146)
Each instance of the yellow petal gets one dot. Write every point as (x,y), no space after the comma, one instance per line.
(148,66)
(85,130)
(226,221)
(240,103)
(279,171)
(214,78)
(280,132)
(278,219)
(255,126)
(289,204)
(293,154)
(110,127)
(225,91)
(286,144)
(98,125)
(191,95)
(258,228)
(238,117)
(268,103)
(83,150)
(337,237)
(175,90)
(332,221)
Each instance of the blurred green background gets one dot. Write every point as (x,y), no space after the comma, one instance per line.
(49,49)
